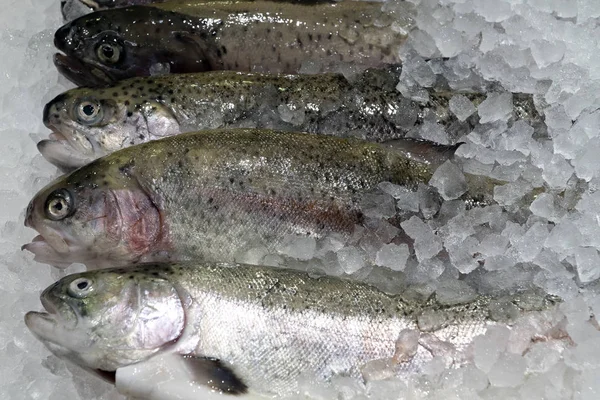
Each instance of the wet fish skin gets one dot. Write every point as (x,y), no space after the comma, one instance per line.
(258,36)
(269,326)
(210,194)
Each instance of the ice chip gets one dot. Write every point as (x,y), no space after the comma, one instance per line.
(461,106)
(588,264)
(545,53)
(557,172)
(545,206)
(351,259)
(507,371)
(290,113)
(487,348)
(393,256)
(496,107)
(563,237)
(302,248)
(492,10)
(453,292)
(427,244)
(528,246)
(449,180)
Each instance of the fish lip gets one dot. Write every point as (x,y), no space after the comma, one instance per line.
(41,324)
(45,253)
(67,160)
(80,72)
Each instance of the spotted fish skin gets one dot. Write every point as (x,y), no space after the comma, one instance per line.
(258,36)
(212,194)
(269,327)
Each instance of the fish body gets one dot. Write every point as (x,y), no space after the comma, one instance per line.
(257,36)
(266,326)
(88,123)
(209,194)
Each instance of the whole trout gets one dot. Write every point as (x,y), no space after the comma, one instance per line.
(246,328)
(211,194)
(260,36)
(88,123)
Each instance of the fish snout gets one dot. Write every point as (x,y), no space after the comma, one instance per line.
(29,215)
(50,115)
(64,38)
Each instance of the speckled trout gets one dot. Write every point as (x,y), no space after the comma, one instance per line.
(210,194)
(88,123)
(256,36)
(250,329)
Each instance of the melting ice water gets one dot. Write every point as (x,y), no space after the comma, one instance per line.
(548,48)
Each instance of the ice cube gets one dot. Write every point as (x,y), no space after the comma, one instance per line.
(496,107)
(427,244)
(528,246)
(393,256)
(449,180)
(487,348)
(301,248)
(588,264)
(545,206)
(351,259)
(290,113)
(461,106)
(451,292)
(545,53)
(507,371)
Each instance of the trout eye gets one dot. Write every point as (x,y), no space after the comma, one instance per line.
(89,112)
(108,53)
(59,205)
(80,288)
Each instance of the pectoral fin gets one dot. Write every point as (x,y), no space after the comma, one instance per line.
(169,376)
(212,373)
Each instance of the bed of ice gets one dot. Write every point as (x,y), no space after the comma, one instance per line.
(548,48)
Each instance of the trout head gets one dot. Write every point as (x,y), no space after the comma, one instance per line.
(111,45)
(89,123)
(98,215)
(106,319)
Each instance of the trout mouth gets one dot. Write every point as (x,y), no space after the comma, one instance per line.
(67,152)
(54,252)
(80,72)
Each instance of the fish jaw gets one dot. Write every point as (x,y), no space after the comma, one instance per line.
(80,72)
(61,154)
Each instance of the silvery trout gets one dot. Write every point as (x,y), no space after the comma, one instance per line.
(214,194)
(250,329)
